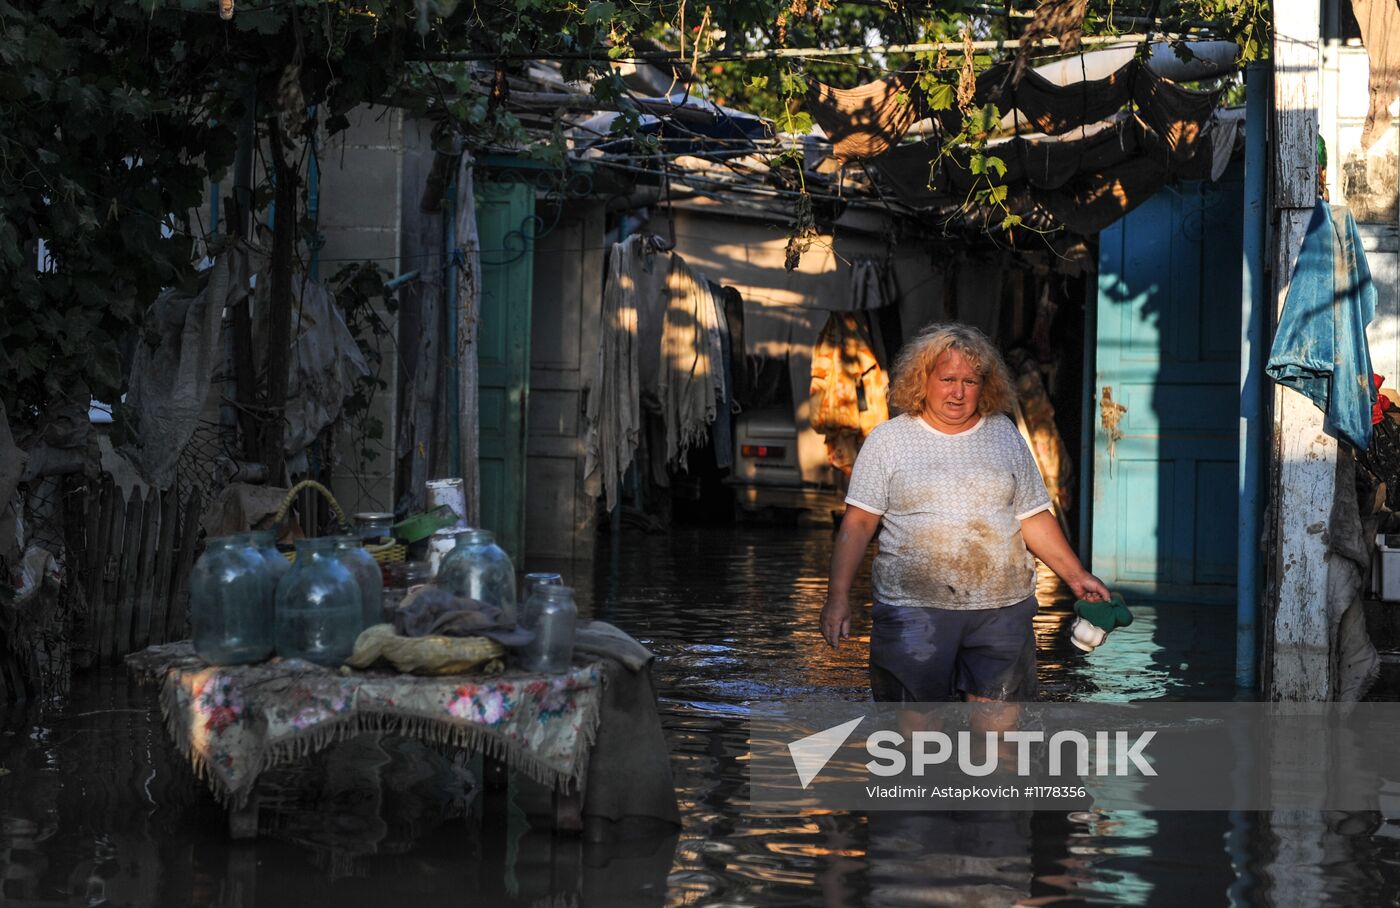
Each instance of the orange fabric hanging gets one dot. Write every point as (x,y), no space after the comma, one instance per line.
(850,392)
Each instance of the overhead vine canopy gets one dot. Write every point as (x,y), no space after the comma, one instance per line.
(115,115)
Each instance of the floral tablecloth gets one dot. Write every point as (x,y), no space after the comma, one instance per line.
(233,722)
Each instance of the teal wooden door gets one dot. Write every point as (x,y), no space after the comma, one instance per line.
(1166,446)
(504,216)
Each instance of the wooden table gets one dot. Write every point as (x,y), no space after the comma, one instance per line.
(232,722)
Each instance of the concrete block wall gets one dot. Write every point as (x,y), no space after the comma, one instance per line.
(362,192)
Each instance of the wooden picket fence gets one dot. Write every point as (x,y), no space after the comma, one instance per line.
(139,554)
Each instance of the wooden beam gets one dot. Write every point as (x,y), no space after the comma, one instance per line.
(1306,457)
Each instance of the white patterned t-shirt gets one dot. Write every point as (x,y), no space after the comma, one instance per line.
(951,508)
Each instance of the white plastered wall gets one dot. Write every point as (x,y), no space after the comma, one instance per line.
(1345,81)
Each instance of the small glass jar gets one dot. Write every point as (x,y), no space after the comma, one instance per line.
(373,526)
(552,649)
(479,569)
(529,615)
(404,577)
(319,607)
(230,610)
(367,575)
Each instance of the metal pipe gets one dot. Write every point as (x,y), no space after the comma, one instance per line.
(1086,427)
(397,282)
(451,261)
(1252,351)
(778,52)
(313,201)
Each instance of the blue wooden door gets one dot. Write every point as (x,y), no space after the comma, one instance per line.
(1166,446)
(504,218)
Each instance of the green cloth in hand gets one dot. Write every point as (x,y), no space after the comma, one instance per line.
(1105,615)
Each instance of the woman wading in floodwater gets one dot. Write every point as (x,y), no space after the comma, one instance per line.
(959,502)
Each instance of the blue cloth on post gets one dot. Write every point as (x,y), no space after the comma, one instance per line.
(1320,347)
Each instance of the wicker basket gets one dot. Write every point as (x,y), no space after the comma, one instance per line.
(384,554)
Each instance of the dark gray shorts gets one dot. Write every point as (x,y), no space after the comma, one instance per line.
(929,655)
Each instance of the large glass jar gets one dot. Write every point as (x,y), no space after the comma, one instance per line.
(552,649)
(231,613)
(479,569)
(529,605)
(319,608)
(265,541)
(367,574)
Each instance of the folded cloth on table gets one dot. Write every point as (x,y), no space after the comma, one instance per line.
(435,655)
(436,612)
(598,638)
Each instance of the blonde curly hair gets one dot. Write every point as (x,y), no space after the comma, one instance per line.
(919,357)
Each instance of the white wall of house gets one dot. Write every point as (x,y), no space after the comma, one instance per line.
(1367,183)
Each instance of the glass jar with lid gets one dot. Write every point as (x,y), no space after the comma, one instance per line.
(552,649)
(230,609)
(479,569)
(529,615)
(374,526)
(319,608)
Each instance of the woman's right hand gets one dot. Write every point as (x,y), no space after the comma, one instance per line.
(836,621)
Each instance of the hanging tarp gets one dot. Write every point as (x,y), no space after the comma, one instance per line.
(867,120)
(1085,180)
(683,124)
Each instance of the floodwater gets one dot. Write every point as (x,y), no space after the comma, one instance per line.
(96,810)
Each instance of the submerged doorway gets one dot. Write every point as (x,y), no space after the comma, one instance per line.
(1166,395)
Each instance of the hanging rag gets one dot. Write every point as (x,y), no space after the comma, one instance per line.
(648,268)
(869,119)
(1320,347)
(849,391)
(1353,665)
(690,349)
(723,432)
(174,365)
(325,365)
(738,363)
(868,285)
(1380,32)
(614,402)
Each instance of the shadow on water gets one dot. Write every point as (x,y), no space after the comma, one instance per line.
(96,808)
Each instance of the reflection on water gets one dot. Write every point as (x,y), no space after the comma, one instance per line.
(95,809)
